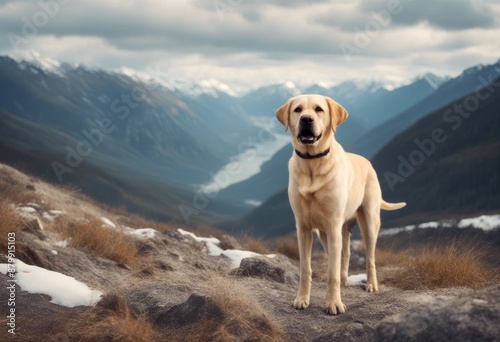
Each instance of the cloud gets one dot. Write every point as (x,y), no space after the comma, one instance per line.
(443,14)
(257,41)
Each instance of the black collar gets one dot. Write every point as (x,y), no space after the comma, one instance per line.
(308,156)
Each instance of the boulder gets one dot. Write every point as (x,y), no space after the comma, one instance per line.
(472,317)
(269,269)
(197,307)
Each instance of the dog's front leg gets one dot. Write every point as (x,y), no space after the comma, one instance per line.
(334,303)
(304,237)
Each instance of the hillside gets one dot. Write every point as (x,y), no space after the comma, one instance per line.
(447,163)
(130,124)
(156,282)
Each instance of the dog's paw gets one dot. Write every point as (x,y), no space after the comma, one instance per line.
(335,308)
(371,287)
(301,303)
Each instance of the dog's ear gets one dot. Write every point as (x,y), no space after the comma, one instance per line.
(338,114)
(283,113)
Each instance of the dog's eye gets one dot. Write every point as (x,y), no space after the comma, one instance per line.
(297,110)
(319,109)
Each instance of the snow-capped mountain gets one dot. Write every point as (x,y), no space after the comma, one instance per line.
(151,124)
(181,133)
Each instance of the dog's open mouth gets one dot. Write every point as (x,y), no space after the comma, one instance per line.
(306,136)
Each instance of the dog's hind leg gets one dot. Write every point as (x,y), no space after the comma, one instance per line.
(346,252)
(323,239)
(369,225)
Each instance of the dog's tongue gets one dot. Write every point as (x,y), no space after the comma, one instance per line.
(306,135)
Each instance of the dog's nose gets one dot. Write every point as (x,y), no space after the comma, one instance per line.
(307,119)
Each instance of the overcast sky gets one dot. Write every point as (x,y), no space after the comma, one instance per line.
(255,41)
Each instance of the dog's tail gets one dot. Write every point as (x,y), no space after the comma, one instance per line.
(392,206)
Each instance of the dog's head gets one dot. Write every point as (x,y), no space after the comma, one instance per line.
(311,118)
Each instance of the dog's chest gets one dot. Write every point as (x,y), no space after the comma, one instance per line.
(313,196)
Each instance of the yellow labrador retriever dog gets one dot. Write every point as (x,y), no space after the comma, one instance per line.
(327,189)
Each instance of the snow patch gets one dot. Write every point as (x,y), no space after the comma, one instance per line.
(47,65)
(63,290)
(26,210)
(357,279)
(432,224)
(253,203)
(210,87)
(63,243)
(485,222)
(144,233)
(234,255)
(52,214)
(394,231)
(211,243)
(145,78)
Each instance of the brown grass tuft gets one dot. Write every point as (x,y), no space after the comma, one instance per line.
(288,246)
(90,235)
(117,328)
(388,257)
(255,245)
(10,223)
(458,264)
(110,320)
(240,319)
(244,317)
(16,192)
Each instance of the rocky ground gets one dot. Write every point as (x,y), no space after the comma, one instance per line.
(176,290)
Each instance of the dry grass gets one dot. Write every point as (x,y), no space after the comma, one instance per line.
(250,243)
(244,317)
(120,328)
(388,257)
(127,218)
(288,245)
(110,320)
(10,223)
(232,317)
(90,235)
(206,231)
(15,191)
(457,264)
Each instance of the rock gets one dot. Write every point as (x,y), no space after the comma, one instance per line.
(197,307)
(146,247)
(228,242)
(255,267)
(473,317)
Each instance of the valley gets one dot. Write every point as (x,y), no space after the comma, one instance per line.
(218,157)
